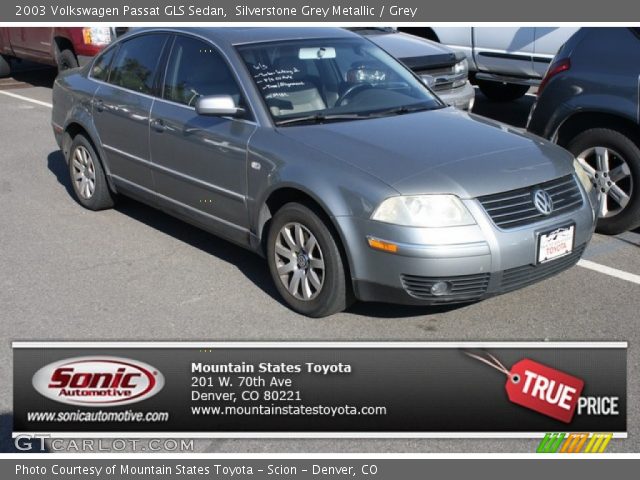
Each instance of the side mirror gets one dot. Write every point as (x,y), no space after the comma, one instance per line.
(218,105)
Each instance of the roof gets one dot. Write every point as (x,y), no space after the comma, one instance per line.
(243,35)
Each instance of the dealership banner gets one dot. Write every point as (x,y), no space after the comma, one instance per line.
(330,389)
(298,11)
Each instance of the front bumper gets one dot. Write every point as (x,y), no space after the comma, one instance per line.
(477,261)
(461,97)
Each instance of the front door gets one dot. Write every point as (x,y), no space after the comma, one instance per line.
(200,162)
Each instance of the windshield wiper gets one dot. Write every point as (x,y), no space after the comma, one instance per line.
(320,118)
(401,110)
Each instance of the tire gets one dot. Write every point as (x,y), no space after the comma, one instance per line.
(588,147)
(87,176)
(333,295)
(66,60)
(5,66)
(502,92)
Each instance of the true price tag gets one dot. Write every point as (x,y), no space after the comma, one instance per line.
(544,389)
(539,387)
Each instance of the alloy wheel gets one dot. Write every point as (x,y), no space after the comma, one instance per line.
(84,172)
(300,262)
(611,177)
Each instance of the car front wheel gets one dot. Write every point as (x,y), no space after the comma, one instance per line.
(67,60)
(305,262)
(612,161)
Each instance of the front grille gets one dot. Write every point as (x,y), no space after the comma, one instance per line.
(519,277)
(515,208)
(462,288)
(445,77)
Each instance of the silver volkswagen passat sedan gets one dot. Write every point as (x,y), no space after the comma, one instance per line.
(318,150)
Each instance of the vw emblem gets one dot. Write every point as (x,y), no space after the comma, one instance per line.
(543,202)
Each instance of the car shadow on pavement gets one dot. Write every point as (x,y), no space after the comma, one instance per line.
(58,166)
(7,443)
(251,265)
(33,75)
(513,113)
(389,310)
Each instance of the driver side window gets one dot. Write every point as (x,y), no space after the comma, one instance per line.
(196,69)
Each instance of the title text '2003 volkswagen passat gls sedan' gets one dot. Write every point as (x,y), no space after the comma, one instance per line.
(317,149)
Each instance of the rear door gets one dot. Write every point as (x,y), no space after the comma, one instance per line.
(121,109)
(200,162)
(505,50)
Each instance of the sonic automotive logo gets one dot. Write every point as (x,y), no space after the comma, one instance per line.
(98,381)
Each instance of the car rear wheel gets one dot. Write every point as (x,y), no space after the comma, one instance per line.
(502,92)
(5,66)
(612,162)
(87,176)
(305,262)
(66,60)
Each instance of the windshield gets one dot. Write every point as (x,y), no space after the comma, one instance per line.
(333,79)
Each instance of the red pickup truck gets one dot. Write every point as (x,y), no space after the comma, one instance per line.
(63,47)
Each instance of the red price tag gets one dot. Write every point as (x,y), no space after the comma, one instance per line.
(544,389)
(538,387)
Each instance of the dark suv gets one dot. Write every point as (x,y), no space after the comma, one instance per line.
(588,103)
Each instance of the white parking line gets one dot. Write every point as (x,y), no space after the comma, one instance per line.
(613,272)
(26,99)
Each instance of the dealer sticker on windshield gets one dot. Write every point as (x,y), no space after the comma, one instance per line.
(556,243)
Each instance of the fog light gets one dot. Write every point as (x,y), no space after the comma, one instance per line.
(441,288)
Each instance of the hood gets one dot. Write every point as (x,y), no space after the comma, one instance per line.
(438,151)
(415,52)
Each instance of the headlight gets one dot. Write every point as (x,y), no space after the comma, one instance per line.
(96,36)
(424,211)
(461,67)
(583,176)
(461,72)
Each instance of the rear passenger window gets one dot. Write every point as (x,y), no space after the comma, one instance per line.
(100,69)
(196,69)
(135,64)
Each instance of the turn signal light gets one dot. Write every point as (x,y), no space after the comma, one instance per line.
(86,36)
(382,245)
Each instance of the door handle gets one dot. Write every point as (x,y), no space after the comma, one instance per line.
(158,125)
(99,105)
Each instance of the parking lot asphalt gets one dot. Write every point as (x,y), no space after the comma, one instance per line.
(133,273)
